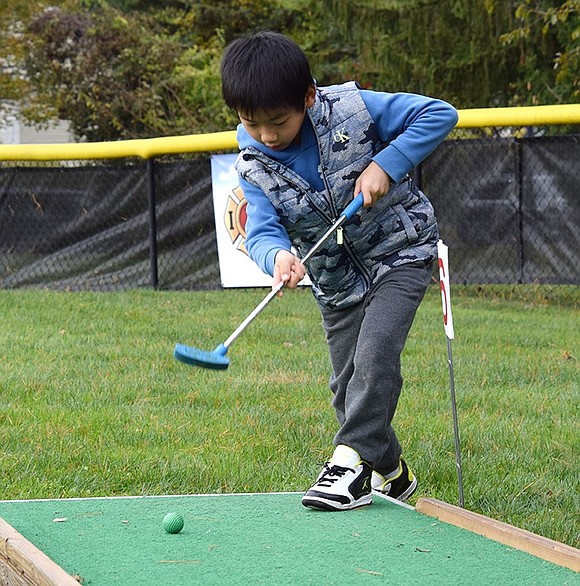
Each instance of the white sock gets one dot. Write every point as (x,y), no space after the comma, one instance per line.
(345,456)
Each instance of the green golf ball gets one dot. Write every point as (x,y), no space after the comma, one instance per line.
(173,523)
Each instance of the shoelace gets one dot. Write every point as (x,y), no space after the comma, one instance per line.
(331,474)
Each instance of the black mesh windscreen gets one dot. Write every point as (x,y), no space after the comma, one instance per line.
(507,208)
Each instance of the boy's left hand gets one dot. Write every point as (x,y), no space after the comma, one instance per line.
(374,183)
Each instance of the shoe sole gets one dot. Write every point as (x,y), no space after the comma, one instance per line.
(330,505)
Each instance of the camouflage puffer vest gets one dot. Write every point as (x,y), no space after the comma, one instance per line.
(400,228)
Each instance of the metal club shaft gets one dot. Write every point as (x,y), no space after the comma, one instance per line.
(348,212)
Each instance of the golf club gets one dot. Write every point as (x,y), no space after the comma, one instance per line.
(217,359)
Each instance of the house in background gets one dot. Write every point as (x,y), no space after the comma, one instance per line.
(13,131)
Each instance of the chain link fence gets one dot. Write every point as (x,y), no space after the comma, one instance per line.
(507,206)
(506,201)
(108,225)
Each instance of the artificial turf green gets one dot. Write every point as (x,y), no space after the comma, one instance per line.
(266,539)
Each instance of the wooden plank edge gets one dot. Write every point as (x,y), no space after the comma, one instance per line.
(32,566)
(542,547)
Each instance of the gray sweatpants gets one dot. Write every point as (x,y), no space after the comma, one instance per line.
(365,343)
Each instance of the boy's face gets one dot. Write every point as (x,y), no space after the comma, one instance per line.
(277,129)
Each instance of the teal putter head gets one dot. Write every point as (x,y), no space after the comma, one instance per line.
(216,359)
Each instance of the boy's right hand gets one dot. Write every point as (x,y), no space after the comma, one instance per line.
(373,183)
(289,269)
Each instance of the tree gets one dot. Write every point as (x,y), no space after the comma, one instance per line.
(13,80)
(139,68)
(547,37)
(474,53)
(150,69)
(116,75)
(444,49)
(99,70)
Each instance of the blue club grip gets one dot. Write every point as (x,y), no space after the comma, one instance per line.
(353,207)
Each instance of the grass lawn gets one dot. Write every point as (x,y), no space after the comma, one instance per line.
(92,402)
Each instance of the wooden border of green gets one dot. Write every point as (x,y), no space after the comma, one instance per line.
(542,547)
(23,564)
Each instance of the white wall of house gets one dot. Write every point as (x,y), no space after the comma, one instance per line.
(12,131)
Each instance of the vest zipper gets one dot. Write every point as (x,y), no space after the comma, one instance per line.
(356,262)
(345,244)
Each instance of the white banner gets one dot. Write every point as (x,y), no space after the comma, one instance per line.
(237,269)
(443,253)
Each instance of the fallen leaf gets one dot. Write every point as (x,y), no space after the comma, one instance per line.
(363,571)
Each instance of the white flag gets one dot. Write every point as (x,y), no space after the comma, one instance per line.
(443,252)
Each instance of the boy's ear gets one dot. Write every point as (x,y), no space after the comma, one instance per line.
(310,96)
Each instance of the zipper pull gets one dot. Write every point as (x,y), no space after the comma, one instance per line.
(339,237)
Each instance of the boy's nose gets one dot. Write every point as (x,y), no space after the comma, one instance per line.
(269,137)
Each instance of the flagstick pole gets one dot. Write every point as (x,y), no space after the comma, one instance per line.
(443,253)
(455,423)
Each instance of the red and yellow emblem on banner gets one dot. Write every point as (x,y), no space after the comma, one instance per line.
(235,217)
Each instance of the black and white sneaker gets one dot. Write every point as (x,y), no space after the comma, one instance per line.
(400,484)
(344,483)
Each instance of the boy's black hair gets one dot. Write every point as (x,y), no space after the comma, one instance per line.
(265,72)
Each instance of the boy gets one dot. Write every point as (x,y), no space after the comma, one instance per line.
(305,153)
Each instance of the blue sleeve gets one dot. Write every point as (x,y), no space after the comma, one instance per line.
(265,236)
(411,125)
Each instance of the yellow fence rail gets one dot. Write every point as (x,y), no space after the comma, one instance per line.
(149,148)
